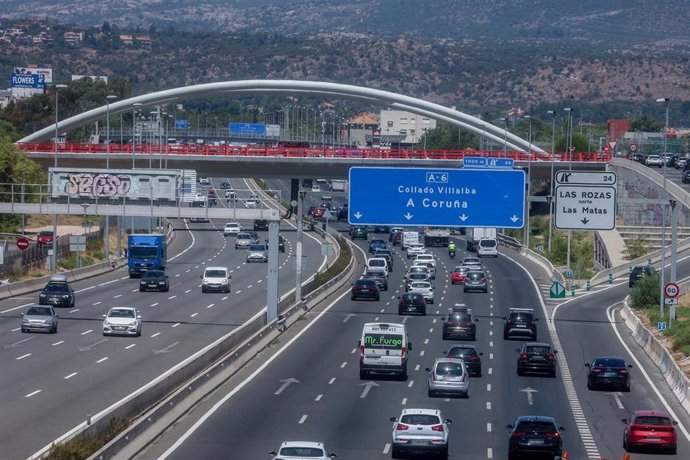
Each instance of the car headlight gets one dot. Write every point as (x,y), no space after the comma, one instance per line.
(161,282)
(25,321)
(142,282)
(43,295)
(225,281)
(65,296)
(107,324)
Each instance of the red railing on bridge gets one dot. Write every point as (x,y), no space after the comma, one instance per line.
(308,152)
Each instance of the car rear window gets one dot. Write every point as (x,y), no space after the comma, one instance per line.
(652,420)
(460,317)
(365,282)
(385,341)
(420,419)
(538,350)
(521,317)
(301,452)
(475,276)
(451,369)
(460,351)
(487,243)
(536,426)
(604,362)
(243,236)
(412,297)
(257,247)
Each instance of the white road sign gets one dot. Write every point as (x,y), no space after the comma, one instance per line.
(585,177)
(671,290)
(583,207)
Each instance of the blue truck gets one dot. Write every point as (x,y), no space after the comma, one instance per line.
(146,252)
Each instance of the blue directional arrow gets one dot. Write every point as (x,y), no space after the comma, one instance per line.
(448,197)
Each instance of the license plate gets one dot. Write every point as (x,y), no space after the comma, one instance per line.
(120,328)
(152,285)
(536,442)
(364,290)
(609,374)
(653,439)
(521,325)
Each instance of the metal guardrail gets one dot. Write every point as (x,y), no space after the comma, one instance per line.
(509,241)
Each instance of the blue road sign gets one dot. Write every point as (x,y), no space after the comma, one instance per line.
(661,325)
(474,162)
(247,129)
(446,197)
(181,124)
(500,163)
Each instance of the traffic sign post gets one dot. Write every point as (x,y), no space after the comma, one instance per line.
(557,291)
(437,197)
(22,243)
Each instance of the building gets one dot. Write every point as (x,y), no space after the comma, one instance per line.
(74,37)
(407,124)
(361,125)
(144,40)
(126,39)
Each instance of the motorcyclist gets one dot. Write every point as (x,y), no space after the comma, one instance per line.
(451,249)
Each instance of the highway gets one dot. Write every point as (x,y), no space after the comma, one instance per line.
(310,389)
(51,383)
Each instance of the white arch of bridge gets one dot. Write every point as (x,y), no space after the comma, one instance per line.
(310,88)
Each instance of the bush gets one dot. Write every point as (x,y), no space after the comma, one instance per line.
(635,248)
(83,446)
(645,294)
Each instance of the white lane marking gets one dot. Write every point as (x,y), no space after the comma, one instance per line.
(426,341)
(135,290)
(421,353)
(13,345)
(491,332)
(611,316)
(172,297)
(99,302)
(488,387)
(16,308)
(32,393)
(58,343)
(488,427)
(130,346)
(69,376)
(491,343)
(318,398)
(93,287)
(416,368)
(404,401)
(101,284)
(250,286)
(156,334)
(101,360)
(23,356)
(117,296)
(330,382)
(87,332)
(176,324)
(154,304)
(489,453)
(187,291)
(224,298)
(386,448)
(210,305)
(343,364)
(303,419)
(491,356)
(193,315)
(177,275)
(410,383)
(488,405)
(238,292)
(15,329)
(491,370)
(124,277)
(72,311)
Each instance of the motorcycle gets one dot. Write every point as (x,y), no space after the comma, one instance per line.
(451,253)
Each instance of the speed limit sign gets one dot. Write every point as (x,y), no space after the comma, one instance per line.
(671,290)
(633,147)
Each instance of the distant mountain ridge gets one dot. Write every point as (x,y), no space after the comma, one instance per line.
(616,23)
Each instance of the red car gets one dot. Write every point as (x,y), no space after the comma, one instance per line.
(457,275)
(317,213)
(650,429)
(45,237)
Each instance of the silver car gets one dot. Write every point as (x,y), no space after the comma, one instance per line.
(122,321)
(425,288)
(448,376)
(420,431)
(243,240)
(257,253)
(40,318)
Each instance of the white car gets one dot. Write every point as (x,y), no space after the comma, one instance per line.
(315,188)
(654,160)
(232,228)
(422,431)
(300,450)
(423,287)
(250,204)
(215,279)
(425,258)
(257,253)
(474,261)
(122,321)
(204,181)
(414,249)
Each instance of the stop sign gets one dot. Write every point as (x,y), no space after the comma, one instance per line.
(22,243)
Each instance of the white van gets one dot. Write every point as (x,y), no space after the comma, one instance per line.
(215,279)
(383,348)
(487,247)
(409,238)
(378,263)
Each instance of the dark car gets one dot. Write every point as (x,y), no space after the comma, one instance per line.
(475,281)
(45,237)
(459,324)
(411,302)
(520,322)
(154,280)
(534,357)
(57,293)
(638,157)
(281,243)
(606,372)
(686,177)
(365,289)
(396,238)
(260,224)
(225,186)
(469,354)
(375,245)
(342,214)
(359,233)
(650,429)
(638,272)
(534,435)
(382,229)
(379,276)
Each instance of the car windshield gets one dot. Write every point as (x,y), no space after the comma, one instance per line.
(460,351)
(418,276)
(257,247)
(231,225)
(39,311)
(652,420)
(307,452)
(365,282)
(139,252)
(420,419)
(215,274)
(56,287)
(121,313)
(44,233)
(450,369)
(536,427)
(154,275)
(244,236)
(609,362)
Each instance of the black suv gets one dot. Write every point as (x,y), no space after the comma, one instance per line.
(535,357)
(154,280)
(460,324)
(534,435)
(520,322)
(470,355)
(260,224)
(638,272)
(411,302)
(281,243)
(605,372)
(57,293)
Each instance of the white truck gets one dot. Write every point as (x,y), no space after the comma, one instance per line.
(474,234)
(338,185)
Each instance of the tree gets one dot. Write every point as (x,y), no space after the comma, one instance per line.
(105,28)
(646,124)
(637,247)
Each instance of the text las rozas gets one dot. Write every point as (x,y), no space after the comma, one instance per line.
(585,198)
(442,202)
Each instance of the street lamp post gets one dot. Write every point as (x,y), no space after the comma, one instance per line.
(108,98)
(553,150)
(529,170)
(665,101)
(568,134)
(55,163)
(505,136)
(135,107)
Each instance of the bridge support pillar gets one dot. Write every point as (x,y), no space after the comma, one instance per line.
(294,194)
(272,285)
